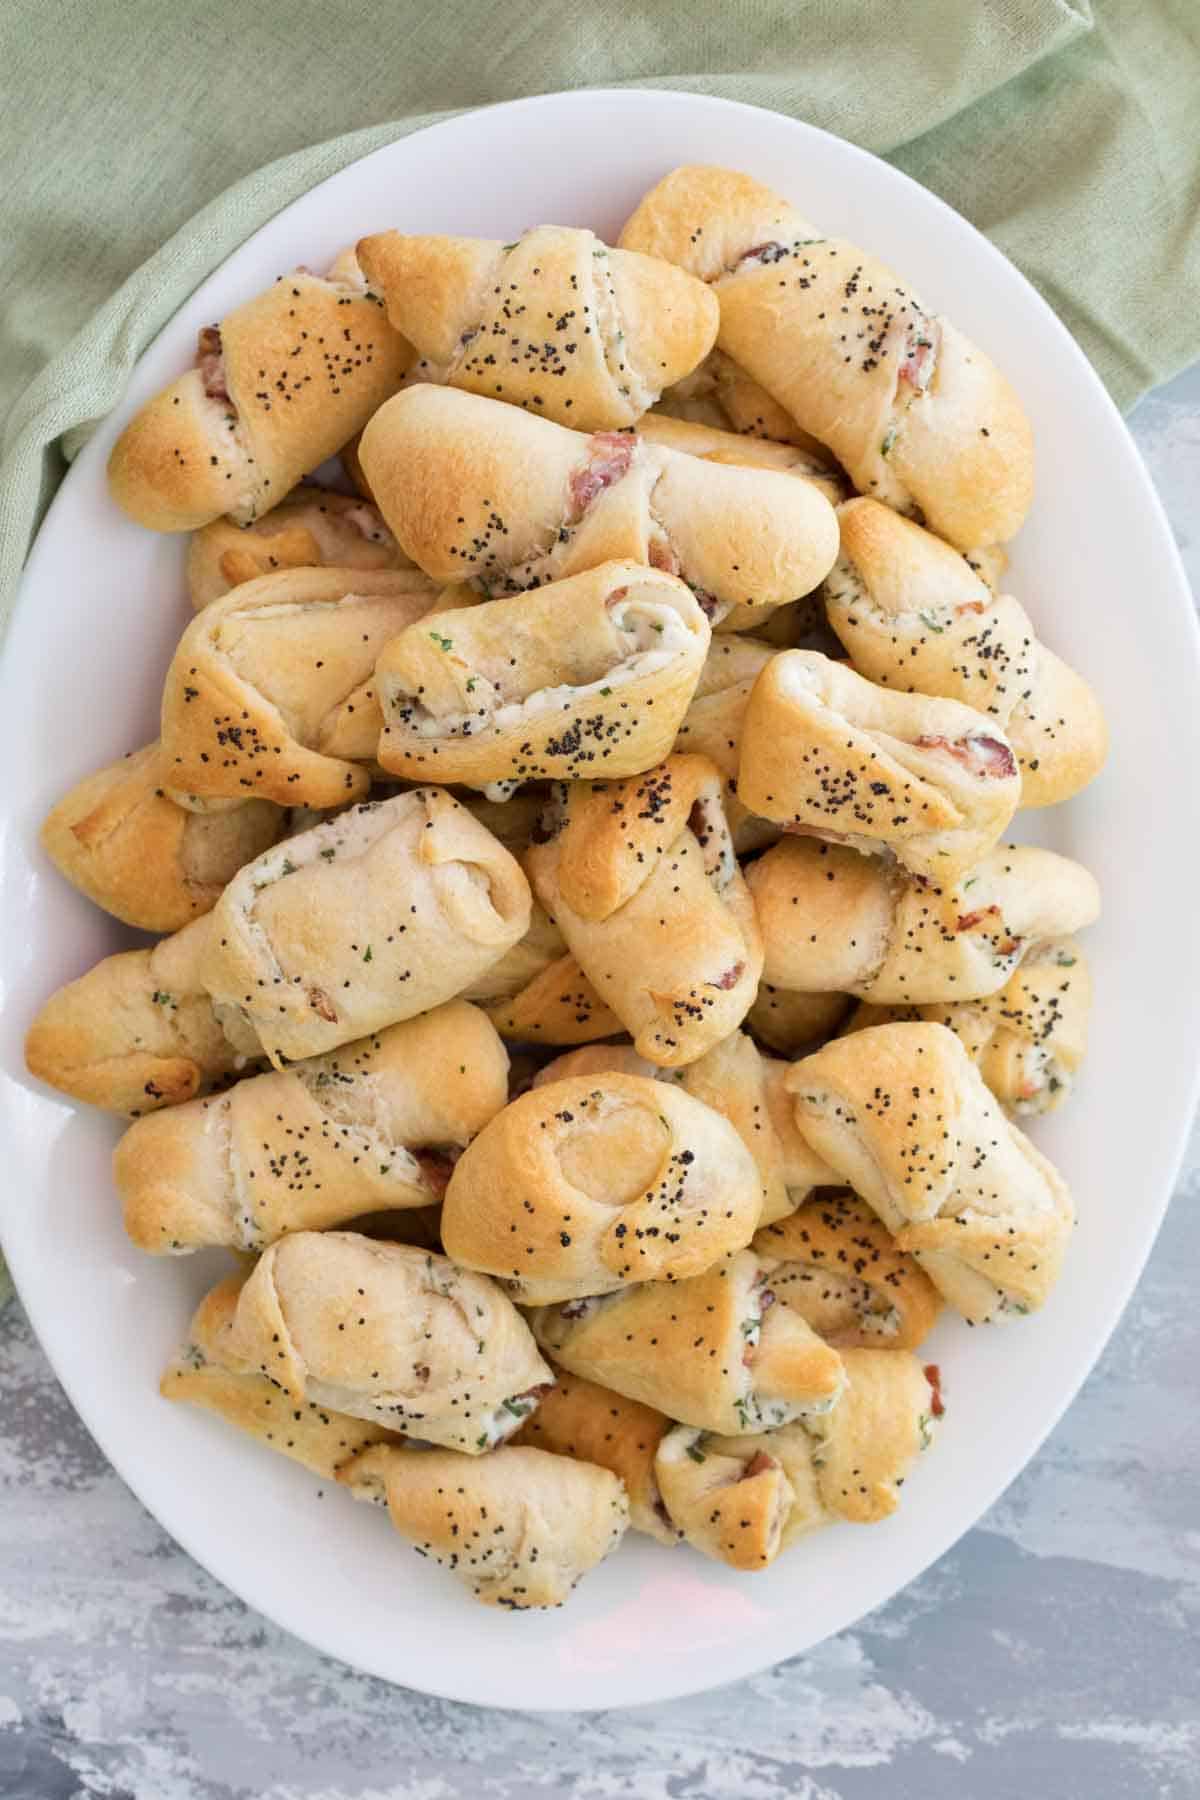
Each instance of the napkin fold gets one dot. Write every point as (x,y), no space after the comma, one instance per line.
(143,140)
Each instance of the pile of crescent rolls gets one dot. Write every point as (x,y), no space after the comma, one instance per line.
(593,991)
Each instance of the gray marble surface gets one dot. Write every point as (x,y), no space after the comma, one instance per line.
(1054,1652)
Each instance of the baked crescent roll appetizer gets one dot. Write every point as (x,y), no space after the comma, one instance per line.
(641,879)
(825,753)
(559,1005)
(482,492)
(916,618)
(316,1436)
(712,727)
(592,1424)
(788,1021)
(520,1528)
(380,914)
(903,1115)
(836,1264)
(721,396)
(1028,1040)
(120,839)
(589,676)
(718,446)
(280,385)
(918,416)
(374,1126)
(556,322)
(832,918)
(258,676)
(746,1088)
(713,1351)
(597,1181)
(313,528)
(386,1333)
(741,1500)
(139,1031)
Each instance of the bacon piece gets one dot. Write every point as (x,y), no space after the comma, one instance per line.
(984,757)
(971,606)
(729,979)
(609,456)
(663,557)
(765,253)
(973,920)
(322,1005)
(920,354)
(210,361)
(933,1376)
(759,1463)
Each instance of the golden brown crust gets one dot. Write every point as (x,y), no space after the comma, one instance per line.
(642,882)
(828,914)
(916,618)
(742,451)
(186,458)
(595,1181)
(476,490)
(120,839)
(558,1006)
(918,415)
(259,674)
(380,914)
(388,1333)
(1028,1039)
(835,1263)
(137,1031)
(315,1436)
(594,1425)
(372,1126)
(828,754)
(589,676)
(902,1114)
(556,322)
(711,1351)
(312,528)
(728,1502)
(883,1422)
(520,1527)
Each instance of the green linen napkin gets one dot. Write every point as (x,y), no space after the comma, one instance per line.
(144,139)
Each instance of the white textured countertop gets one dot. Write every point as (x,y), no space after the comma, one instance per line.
(1054,1653)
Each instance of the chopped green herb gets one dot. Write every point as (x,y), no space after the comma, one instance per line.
(1064,961)
(470,684)
(923,1424)
(696,1453)
(929,620)
(889,440)
(288,866)
(368,954)
(605,692)
(160,998)
(328,854)
(443,643)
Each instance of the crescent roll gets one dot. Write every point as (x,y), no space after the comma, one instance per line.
(721,396)
(589,676)
(837,1265)
(914,411)
(381,913)
(371,1127)
(313,1435)
(712,727)
(280,385)
(641,879)
(745,1087)
(713,1351)
(520,1527)
(1029,1039)
(832,918)
(138,1031)
(716,445)
(482,492)
(903,1115)
(313,528)
(592,1424)
(556,322)
(259,675)
(120,839)
(593,1182)
(387,1333)
(826,753)
(915,618)
(788,1021)
(741,1500)
(558,1006)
